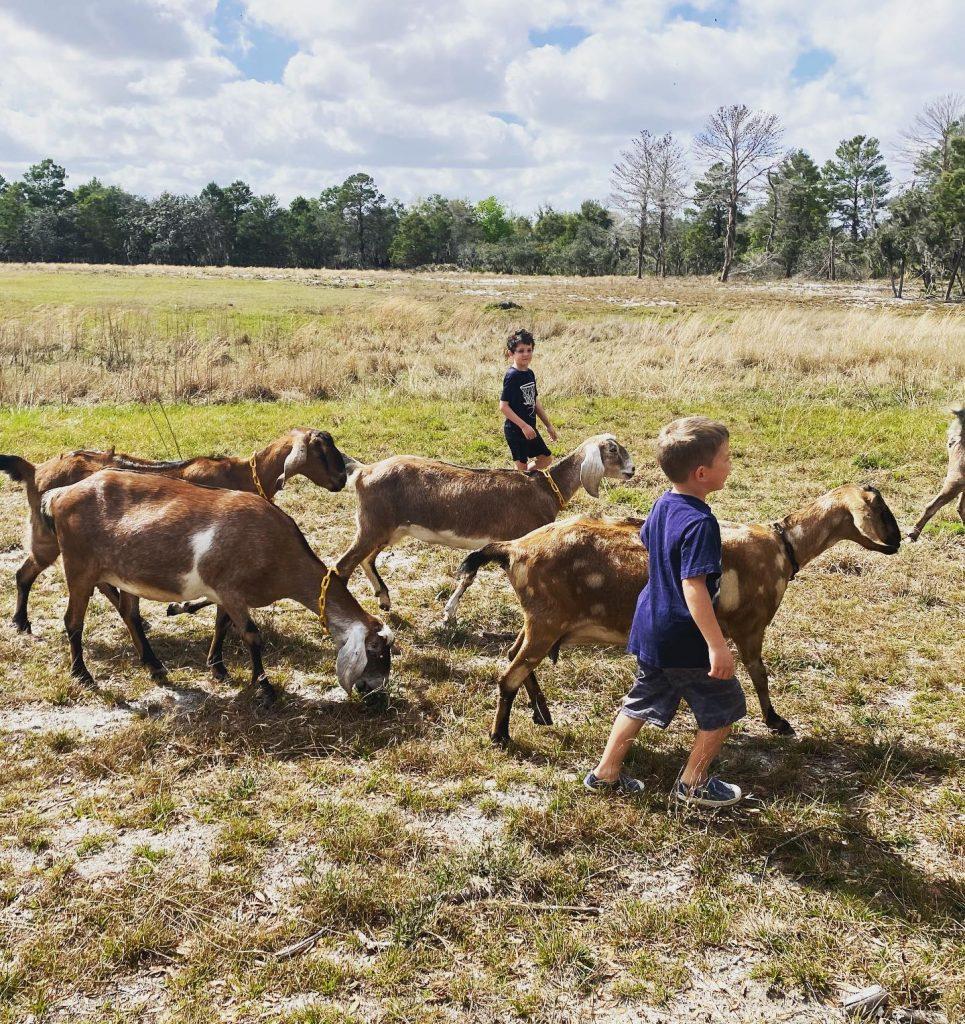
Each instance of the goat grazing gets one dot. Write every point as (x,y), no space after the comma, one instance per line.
(578,581)
(169,540)
(408,496)
(954,485)
(311,453)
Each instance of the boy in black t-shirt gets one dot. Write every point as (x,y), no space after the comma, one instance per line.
(520,404)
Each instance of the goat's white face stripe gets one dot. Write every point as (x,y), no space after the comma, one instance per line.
(351,659)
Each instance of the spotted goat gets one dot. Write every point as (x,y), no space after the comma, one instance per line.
(954,485)
(302,451)
(437,502)
(169,540)
(578,581)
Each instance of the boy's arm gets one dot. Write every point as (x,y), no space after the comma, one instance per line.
(527,430)
(541,412)
(702,610)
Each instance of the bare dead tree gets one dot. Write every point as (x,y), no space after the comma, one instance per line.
(632,182)
(669,179)
(747,142)
(934,128)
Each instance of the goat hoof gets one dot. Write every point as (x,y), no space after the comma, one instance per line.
(913,535)
(219,673)
(385,604)
(174,609)
(500,740)
(781,726)
(85,679)
(21,625)
(542,716)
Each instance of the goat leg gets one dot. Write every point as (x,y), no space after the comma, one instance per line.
(537,700)
(129,609)
(949,490)
(28,572)
(74,624)
(216,651)
(758,673)
(378,584)
(530,654)
(251,637)
(188,607)
(449,613)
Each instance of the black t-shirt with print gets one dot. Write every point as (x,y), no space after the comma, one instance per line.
(519,390)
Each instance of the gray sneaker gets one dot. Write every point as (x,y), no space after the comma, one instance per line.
(712,793)
(625,785)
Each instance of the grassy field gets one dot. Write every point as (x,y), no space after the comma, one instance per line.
(161,850)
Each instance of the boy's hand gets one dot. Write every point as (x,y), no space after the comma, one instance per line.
(721,663)
(528,432)
(552,433)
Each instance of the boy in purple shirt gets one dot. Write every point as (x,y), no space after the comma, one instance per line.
(680,649)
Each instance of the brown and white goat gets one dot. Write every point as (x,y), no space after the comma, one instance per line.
(578,581)
(954,485)
(409,496)
(169,540)
(308,452)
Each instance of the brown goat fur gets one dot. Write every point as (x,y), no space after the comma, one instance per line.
(459,507)
(954,483)
(578,581)
(169,540)
(306,451)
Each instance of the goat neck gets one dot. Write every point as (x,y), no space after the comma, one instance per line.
(812,530)
(566,473)
(342,611)
(269,463)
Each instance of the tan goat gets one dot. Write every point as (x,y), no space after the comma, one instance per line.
(168,540)
(954,485)
(408,496)
(578,581)
(311,453)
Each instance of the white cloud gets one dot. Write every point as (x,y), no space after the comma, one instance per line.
(145,93)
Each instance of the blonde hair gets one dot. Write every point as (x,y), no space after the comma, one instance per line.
(687,443)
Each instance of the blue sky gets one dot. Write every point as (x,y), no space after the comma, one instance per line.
(531,102)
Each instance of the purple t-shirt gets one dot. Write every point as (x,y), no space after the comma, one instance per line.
(683,540)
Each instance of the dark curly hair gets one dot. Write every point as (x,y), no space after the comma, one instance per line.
(520,337)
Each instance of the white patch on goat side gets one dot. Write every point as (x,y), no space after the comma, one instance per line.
(730,596)
(351,659)
(191,582)
(448,538)
(594,580)
(779,561)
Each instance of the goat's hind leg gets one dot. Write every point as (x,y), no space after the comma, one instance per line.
(378,584)
(520,673)
(130,611)
(43,552)
(216,650)
(537,699)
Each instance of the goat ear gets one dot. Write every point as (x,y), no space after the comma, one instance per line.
(591,469)
(296,459)
(351,659)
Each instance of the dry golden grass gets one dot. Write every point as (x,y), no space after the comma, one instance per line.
(413,335)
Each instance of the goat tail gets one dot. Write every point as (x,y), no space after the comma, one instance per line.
(475,560)
(17,469)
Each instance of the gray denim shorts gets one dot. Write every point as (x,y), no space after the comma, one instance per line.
(656,694)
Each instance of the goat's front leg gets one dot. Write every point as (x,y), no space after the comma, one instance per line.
(750,654)
(378,584)
(251,638)
(961,507)
(949,490)
(537,699)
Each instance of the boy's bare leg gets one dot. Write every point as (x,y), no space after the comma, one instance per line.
(621,738)
(707,744)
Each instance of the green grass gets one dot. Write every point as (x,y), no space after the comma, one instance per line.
(178,852)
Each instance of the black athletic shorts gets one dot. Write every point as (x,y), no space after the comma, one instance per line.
(523,450)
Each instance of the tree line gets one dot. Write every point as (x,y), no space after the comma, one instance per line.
(752,207)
